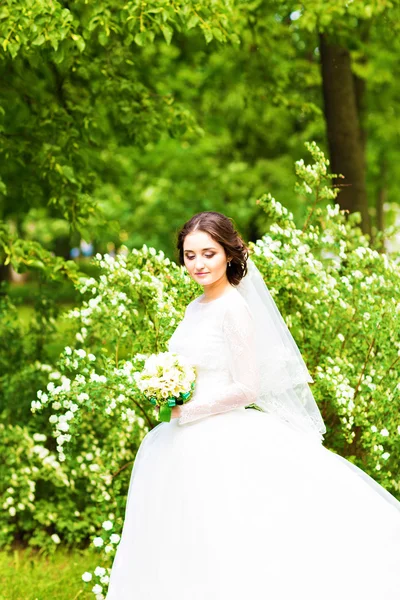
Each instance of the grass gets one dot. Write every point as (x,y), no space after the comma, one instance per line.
(28,575)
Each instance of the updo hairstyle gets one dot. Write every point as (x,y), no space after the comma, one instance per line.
(222,230)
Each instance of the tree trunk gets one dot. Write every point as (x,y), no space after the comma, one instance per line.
(345,138)
(4,272)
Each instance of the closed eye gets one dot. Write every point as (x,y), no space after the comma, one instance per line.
(206,255)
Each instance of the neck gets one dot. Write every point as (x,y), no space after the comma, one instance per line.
(216,289)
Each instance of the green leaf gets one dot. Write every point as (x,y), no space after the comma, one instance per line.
(103,38)
(80,43)
(140,38)
(208,35)
(192,22)
(368,11)
(34,262)
(39,41)
(68,173)
(235,39)
(93,23)
(13,48)
(58,56)
(54,41)
(217,33)
(167,32)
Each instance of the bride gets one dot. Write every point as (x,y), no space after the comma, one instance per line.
(229,503)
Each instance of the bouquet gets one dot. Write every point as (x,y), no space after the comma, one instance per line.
(167,379)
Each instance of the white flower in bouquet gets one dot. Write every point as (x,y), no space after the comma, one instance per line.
(167,379)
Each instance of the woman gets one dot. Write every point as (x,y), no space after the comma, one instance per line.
(227,503)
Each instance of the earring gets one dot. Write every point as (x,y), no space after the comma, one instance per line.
(229,263)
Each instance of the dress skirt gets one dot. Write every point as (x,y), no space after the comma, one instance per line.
(239,506)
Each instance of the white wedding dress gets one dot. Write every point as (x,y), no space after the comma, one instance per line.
(228,503)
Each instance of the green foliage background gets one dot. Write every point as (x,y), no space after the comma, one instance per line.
(128,117)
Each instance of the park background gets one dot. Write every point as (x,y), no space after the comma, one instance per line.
(119,121)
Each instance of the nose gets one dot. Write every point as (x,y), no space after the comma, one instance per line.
(199,263)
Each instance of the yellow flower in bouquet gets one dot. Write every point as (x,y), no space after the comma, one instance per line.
(167,380)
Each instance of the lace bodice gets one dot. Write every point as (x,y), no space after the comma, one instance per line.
(218,338)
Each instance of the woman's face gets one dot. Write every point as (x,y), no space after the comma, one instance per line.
(205,259)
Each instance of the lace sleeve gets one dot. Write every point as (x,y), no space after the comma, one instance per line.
(239,335)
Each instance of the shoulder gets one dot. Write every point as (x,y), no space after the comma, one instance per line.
(191,305)
(236,303)
(192,309)
(237,314)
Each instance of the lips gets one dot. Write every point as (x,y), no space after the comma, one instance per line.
(201,273)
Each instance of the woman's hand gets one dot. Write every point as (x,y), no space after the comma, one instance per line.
(176,412)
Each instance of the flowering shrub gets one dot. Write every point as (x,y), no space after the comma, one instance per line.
(26,465)
(133,310)
(339,297)
(90,402)
(341,300)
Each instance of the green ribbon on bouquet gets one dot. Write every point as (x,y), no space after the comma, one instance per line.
(165,411)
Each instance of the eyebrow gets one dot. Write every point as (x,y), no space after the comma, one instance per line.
(204,249)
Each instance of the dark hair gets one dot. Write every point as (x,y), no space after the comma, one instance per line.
(222,230)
